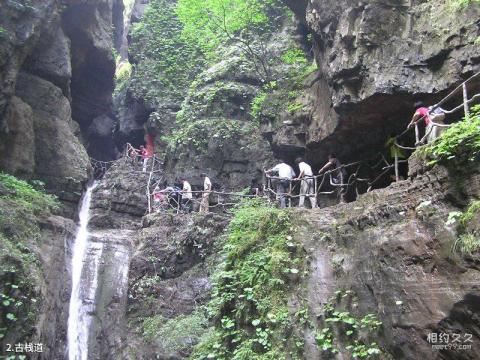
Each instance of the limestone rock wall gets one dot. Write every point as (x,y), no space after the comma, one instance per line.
(375,60)
(56,77)
(392,251)
(389,252)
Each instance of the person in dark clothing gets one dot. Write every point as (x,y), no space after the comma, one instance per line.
(338,175)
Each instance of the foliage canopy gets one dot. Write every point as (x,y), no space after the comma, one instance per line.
(211,22)
(164,63)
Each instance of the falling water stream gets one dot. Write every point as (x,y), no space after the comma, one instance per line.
(83,294)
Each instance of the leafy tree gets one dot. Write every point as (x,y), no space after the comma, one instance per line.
(164,63)
(248,23)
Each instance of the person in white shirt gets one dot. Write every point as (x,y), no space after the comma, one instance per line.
(285,174)
(186,195)
(307,186)
(207,189)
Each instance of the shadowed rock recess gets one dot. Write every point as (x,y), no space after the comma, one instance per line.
(374,278)
(56,78)
(375,60)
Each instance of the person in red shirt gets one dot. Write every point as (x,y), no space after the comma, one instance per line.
(148,151)
(146,155)
(430,115)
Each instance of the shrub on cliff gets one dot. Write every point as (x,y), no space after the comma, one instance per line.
(246,23)
(20,204)
(164,63)
(460,143)
(468,230)
(252,288)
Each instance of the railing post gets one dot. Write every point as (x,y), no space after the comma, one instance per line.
(396,167)
(290,195)
(465,101)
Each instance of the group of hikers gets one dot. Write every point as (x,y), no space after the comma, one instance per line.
(282,175)
(433,118)
(285,175)
(181,198)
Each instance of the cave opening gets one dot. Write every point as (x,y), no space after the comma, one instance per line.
(362,134)
(92,82)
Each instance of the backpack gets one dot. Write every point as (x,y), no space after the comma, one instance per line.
(436,110)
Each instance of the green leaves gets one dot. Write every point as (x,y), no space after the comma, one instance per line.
(294,56)
(348,326)
(468,240)
(257,104)
(165,62)
(460,143)
(24,194)
(210,22)
(251,290)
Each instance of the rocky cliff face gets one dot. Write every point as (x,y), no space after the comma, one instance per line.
(151,273)
(56,74)
(207,126)
(391,253)
(375,60)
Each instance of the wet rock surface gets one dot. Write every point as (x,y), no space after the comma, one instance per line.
(393,249)
(146,267)
(169,279)
(63,69)
(376,59)
(57,234)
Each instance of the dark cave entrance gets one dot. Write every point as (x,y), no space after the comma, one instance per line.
(92,83)
(361,136)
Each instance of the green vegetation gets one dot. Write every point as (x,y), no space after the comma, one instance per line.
(294,56)
(19,270)
(122,76)
(467,244)
(165,62)
(257,104)
(251,288)
(468,240)
(259,100)
(25,195)
(460,143)
(346,327)
(176,334)
(272,100)
(211,23)
(460,4)
(247,23)
(294,107)
(199,133)
(3,33)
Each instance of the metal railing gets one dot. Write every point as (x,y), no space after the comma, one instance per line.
(172,200)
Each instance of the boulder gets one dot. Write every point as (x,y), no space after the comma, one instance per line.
(58,152)
(18,146)
(50,60)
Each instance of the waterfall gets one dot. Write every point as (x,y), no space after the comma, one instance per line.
(82,297)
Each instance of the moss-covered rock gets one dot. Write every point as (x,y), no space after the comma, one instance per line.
(30,303)
(255,301)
